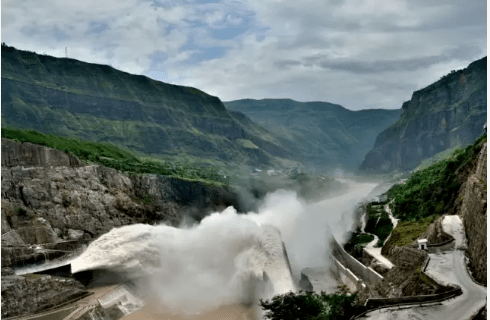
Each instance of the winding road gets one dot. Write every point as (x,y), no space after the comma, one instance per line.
(370,247)
(447,265)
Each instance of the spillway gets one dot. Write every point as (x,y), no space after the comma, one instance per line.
(222,260)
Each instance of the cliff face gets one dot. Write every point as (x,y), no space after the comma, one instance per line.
(320,134)
(99,103)
(473,211)
(448,113)
(33,293)
(49,197)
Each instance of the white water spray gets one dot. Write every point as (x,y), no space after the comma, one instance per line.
(213,263)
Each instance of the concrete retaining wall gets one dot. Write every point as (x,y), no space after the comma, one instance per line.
(439,244)
(347,277)
(388,302)
(367,274)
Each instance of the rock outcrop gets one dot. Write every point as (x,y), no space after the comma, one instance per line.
(33,293)
(473,211)
(53,198)
(450,112)
(33,155)
(435,233)
(407,279)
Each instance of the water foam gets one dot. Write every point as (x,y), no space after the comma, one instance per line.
(220,260)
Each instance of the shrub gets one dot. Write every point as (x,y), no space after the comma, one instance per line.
(379,222)
(307,305)
(433,190)
(21,212)
(111,156)
(147,199)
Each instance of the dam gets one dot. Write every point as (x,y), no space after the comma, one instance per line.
(219,267)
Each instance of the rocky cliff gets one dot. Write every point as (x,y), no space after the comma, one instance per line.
(33,293)
(97,102)
(448,113)
(50,198)
(473,211)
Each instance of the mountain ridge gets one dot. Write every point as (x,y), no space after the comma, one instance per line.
(447,113)
(97,102)
(318,132)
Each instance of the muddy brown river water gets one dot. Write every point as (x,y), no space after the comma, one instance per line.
(152,311)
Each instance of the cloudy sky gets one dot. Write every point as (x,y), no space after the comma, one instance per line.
(358,53)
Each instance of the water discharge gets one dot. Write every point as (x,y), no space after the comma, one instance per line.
(223,259)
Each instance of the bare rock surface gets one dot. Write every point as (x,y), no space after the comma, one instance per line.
(473,212)
(448,113)
(50,197)
(435,233)
(33,293)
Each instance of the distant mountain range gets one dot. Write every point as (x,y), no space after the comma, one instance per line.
(320,134)
(448,113)
(97,102)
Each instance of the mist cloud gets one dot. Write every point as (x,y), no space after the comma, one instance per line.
(223,259)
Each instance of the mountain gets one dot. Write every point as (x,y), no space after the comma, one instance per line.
(320,134)
(95,102)
(448,113)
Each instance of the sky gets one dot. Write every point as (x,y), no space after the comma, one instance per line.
(361,54)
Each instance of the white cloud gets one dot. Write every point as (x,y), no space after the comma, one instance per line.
(359,53)
(135,30)
(395,36)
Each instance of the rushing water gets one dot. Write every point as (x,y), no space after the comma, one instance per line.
(220,262)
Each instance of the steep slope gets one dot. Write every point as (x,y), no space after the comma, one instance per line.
(473,211)
(99,103)
(321,134)
(448,113)
(456,185)
(47,194)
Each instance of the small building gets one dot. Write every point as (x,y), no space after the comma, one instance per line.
(422,244)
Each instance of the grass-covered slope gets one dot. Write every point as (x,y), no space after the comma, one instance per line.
(378,223)
(321,134)
(429,193)
(95,102)
(112,156)
(433,190)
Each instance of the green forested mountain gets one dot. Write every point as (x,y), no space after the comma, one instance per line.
(320,134)
(448,113)
(95,102)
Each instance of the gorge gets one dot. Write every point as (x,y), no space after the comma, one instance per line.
(99,230)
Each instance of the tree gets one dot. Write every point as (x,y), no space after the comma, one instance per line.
(307,305)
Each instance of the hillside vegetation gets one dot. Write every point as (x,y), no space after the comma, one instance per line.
(320,134)
(112,156)
(446,114)
(433,190)
(98,103)
(429,193)
(379,222)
